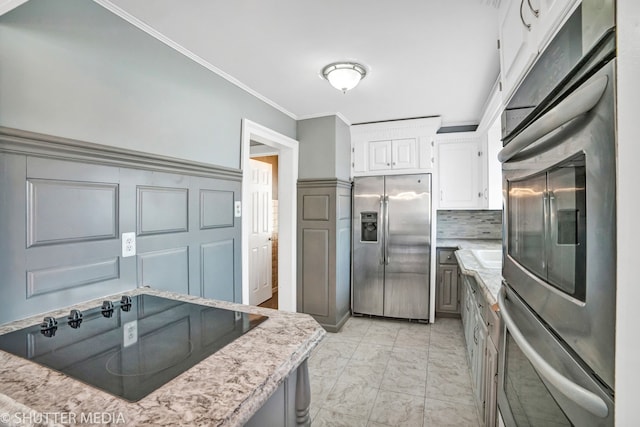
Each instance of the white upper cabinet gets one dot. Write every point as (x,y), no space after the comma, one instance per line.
(393,154)
(402,146)
(517,41)
(460,183)
(526,27)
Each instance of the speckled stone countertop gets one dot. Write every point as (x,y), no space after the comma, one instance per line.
(489,279)
(225,389)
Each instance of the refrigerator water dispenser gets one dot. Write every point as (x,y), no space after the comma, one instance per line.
(369,226)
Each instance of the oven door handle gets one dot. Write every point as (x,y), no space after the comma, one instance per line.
(581,396)
(578,103)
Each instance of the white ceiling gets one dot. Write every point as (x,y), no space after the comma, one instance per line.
(426,57)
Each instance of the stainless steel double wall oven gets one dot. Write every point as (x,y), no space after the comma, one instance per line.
(559,184)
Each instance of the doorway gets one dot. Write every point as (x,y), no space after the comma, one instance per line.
(263,239)
(267,142)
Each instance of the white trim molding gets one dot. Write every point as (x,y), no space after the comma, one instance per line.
(287,207)
(186,52)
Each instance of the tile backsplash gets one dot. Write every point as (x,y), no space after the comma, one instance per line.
(466,224)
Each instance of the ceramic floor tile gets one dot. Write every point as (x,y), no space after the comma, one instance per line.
(320,387)
(404,378)
(327,418)
(398,409)
(351,399)
(337,349)
(363,374)
(373,354)
(417,356)
(411,339)
(452,388)
(327,365)
(389,373)
(438,413)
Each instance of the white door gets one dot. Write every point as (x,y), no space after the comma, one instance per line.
(260,232)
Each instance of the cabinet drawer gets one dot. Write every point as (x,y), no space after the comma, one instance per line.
(447,256)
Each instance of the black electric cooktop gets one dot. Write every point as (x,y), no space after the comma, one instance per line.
(130,347)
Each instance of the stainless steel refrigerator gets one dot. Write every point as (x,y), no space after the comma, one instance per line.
(392,245)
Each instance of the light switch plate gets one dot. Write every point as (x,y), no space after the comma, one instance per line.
(128,244)
(238,209)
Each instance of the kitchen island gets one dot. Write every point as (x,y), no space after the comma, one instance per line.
(263,373)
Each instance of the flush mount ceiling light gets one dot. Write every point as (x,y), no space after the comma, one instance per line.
(344,75)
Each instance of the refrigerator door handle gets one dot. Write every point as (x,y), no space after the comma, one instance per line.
(381,232)
(386,230)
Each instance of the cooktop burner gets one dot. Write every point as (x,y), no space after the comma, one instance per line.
(133,346)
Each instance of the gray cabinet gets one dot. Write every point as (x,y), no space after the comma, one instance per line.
(447,286)
(481,327)
(491,384)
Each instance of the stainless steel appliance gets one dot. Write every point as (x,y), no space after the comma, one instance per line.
(133,346)
(392,246)
(559,290)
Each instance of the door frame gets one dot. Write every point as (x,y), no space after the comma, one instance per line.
(287,151)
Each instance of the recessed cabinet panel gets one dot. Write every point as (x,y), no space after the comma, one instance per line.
(379,155)
(459,174)
(403,154)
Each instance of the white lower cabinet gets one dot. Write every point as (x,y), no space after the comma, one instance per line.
(482,351)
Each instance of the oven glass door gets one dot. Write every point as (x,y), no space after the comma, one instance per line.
(530,401)
(547,225)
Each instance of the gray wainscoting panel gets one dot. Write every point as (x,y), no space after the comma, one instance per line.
(65,203)
(315,208)
(70,211)
(315,271)
(167,270)
(58,278)
(162,210)
(324,251)
(216,209)
(216,264)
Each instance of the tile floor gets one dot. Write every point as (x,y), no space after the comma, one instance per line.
(378,373)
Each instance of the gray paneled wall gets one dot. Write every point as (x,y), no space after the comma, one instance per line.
(468,224)
(64,205)
(324,250)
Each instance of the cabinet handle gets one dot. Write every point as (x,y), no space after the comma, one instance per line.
(536,12)
(441,195)
(522,17)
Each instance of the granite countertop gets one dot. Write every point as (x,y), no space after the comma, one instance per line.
(489,279)
(225,389)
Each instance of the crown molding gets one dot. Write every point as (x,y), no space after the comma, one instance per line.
(189,54)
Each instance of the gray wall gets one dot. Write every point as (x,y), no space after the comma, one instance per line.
(61,240)
(71,68)
(469,224)
(325,148)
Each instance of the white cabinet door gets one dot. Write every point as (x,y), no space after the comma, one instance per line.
(552,12)
(379,155)
(493,174)
(359,155)
(518,42)
(459,174)
(425,153)
(403,153)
